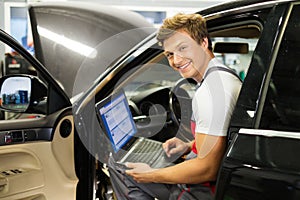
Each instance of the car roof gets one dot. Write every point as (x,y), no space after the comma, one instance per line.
(239,4)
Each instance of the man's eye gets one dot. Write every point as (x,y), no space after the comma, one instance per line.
(182,48)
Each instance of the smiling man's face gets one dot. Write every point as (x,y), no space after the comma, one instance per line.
(186,56)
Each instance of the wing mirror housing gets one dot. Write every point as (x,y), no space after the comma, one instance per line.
(23,94)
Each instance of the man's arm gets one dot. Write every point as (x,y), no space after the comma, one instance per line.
(201,169)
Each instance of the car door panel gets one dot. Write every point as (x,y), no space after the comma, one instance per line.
(256,168)
(42,168)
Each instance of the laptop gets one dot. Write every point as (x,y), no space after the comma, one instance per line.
(116,120)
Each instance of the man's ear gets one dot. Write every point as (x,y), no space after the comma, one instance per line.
(205,42)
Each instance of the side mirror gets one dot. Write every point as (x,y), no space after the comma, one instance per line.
(23,93)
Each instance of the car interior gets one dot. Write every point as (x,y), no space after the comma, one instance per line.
(160,102)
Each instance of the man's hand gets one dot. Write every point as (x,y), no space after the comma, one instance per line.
(140,172)
(175,146)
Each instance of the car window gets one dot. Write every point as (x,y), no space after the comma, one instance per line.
(233,49)
(238,61)
(234,45)
(282,106)
(13,63)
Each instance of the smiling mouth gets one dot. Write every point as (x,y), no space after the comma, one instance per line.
(185,65)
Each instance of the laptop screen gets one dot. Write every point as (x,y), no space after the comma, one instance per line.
(115,117)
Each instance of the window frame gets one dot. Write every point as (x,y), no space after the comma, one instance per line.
(269,86)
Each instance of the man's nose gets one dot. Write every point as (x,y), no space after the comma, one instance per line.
(177,58)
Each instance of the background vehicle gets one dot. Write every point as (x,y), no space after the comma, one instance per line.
(256,38)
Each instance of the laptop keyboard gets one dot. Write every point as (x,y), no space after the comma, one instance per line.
(146,152)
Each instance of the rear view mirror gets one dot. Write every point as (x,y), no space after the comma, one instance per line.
(22,93)
(231,47)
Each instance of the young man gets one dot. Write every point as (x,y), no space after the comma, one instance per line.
(187,46)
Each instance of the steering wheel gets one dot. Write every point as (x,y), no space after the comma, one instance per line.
(180,101)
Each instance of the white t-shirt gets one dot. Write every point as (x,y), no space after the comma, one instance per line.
(215,100)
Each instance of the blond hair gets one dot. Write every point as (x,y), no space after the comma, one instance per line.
(194,24)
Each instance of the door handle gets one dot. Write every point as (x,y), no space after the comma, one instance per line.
(3,183)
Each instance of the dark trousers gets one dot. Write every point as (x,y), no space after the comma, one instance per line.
(126,188)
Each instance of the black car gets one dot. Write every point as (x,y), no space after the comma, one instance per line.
(258,39)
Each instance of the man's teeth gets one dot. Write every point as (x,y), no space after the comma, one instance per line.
(184,66)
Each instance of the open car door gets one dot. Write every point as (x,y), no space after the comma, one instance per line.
(36,130)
